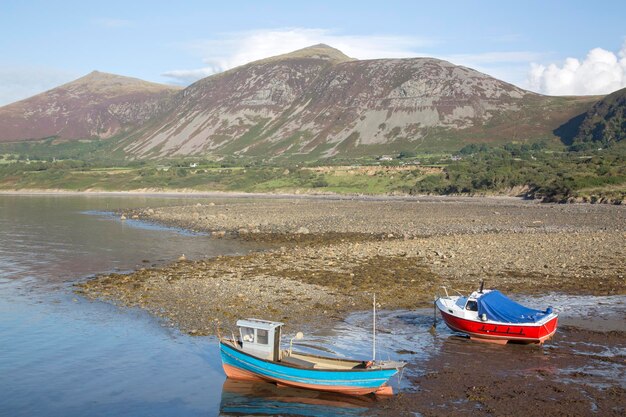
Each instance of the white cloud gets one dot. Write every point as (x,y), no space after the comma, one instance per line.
(20,83)
(238,48)
(601,72)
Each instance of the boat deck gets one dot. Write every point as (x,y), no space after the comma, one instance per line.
(314,362)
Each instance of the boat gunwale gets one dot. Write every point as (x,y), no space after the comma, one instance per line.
(227,342)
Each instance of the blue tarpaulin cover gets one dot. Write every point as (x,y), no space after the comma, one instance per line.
(499,307)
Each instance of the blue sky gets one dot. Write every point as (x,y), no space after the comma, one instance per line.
(546,46)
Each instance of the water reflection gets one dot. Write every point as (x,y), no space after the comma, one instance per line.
(48,240)
(242,398)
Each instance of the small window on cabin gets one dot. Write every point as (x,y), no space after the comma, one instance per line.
(247,334)
(261,337)
(471,305)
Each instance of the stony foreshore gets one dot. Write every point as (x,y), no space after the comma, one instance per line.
(325,258)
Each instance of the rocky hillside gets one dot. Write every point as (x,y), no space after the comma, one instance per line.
(309,104)
(317,102)
(96,105)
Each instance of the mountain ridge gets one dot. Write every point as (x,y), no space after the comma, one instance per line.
(312,103)
(98,104)
(304,106)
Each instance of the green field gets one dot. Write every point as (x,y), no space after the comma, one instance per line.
(534,170)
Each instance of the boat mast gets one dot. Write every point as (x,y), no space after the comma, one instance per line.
(374,332)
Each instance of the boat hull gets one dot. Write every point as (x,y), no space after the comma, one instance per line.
(502,333)
(241,366)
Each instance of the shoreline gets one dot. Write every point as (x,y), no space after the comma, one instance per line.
(191,193)
(242,194)
(323,261)
(328,258)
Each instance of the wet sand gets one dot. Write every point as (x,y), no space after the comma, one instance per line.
(579,373)
(326,258)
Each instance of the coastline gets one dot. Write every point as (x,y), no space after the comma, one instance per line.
(191,193)
(308,194)
(324,259)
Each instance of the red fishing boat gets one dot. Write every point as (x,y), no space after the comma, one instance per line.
(490,316)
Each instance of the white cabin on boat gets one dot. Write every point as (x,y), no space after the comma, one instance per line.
(260,338)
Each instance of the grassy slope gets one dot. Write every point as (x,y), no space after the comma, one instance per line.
(229,179)
(542,173)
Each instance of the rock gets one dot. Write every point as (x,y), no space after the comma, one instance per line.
(134,217)
(218,234)
(150,211)
(303,231)
(182,257)
(211,204)
(122,217)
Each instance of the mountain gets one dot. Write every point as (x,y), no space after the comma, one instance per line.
(308,104)
(96,105)
(317,102)
(605,122)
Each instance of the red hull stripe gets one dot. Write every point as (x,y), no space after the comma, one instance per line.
(485,330)
(243,375)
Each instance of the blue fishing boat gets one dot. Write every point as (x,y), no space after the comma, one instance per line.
(256,356)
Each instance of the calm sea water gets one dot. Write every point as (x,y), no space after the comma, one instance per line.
(61,355)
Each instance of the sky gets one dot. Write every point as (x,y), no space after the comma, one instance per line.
(550,47)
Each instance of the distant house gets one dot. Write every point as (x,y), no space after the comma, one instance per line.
(385,158)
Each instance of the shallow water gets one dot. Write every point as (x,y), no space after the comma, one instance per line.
(61,355)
